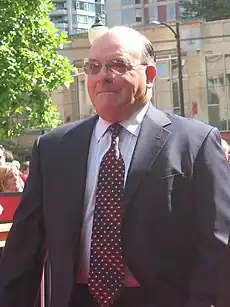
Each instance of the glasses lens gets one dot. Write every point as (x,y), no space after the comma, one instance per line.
(118,67)
(92,68)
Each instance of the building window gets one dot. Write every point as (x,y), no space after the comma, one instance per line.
(171,12)
(162,16)
(218,90)
(138,15)
(82,19)
(100,8)
(152,11)
(127,2)
(137,1)
(60,5)
(163,69)
(83,6)
(59,19)
(76,5)
(128,16)
(91,7)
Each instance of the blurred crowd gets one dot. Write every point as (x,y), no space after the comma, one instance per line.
(226,149)
(13,175)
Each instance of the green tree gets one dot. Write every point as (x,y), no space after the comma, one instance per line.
(207,9)
(30,66)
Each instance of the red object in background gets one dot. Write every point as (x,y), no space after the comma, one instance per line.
(225,135)
(8,204)
(24,177)
(194,108)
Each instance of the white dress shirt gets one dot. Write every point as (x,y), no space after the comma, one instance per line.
(100,143)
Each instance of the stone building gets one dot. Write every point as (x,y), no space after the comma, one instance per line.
(206,73)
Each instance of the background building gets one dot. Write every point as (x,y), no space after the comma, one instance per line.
(205,50)
(140,12)
(76,17)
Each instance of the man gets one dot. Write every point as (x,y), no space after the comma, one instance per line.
(130,204)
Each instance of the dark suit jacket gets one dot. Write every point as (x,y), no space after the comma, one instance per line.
(176,202)
(224,285)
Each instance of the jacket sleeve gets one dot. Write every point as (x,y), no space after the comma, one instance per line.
(22,261)
(211,178)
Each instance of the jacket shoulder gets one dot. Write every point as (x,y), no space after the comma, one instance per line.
(59,132)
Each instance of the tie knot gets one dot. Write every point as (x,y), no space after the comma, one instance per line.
(115,129)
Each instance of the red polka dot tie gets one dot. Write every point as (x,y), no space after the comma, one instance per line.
(106,273)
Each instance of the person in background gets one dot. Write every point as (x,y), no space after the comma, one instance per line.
(17,164)
(25,170)
(9,156)
(10,180)
(226,149)
(132,204)
(2,155)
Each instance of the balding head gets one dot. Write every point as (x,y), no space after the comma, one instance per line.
(134,41)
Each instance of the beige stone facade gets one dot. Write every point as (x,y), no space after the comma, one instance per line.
(206,73)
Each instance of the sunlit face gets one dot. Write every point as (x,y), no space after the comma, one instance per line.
(2,157)
(119,86)
(13,181)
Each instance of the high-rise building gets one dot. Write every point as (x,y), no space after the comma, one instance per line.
(75,17)
(140,12)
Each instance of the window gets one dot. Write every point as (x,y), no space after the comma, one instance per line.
(83,6)
(91,7)
(126,2)
(137,1)
(61,5)
(138,15)
(162,13)
(82,19)
(214,116)
(100,9)
(163,70)
(152,11)
(171,12)
(59,19)
(128,16)
(75,5)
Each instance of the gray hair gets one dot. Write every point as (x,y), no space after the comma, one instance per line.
(149,53)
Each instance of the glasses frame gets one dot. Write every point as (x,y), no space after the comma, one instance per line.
(108,65)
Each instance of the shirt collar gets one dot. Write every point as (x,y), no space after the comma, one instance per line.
(132,125)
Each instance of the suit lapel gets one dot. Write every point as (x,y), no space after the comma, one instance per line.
(152,138)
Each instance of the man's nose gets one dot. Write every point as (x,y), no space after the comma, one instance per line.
(105,74)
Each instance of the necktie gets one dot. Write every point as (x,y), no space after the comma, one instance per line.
(106,273)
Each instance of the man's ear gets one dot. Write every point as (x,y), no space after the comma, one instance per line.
(151,73)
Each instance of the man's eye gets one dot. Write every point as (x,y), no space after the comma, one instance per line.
(94,65)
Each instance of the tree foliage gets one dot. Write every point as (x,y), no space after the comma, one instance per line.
(206,9)
(30,66)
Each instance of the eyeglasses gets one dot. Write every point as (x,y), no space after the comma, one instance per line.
(115,66)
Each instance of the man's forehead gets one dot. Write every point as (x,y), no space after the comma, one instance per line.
(110,45)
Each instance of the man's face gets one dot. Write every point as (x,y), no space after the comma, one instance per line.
(2,157)
(119,87)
